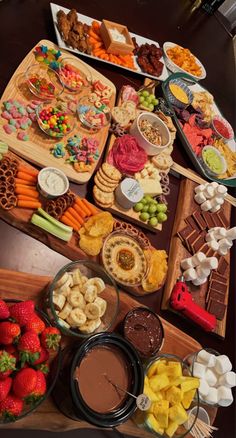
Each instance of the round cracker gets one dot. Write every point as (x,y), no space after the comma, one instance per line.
(104,206)
(106,178)
(103,181)
(102,197)
(104,188)
(111,171)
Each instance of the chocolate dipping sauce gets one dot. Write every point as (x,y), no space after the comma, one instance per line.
(144,330)
(99,365)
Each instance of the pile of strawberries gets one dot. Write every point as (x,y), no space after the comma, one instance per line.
(25,345)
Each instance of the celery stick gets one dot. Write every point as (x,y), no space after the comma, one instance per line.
(3,147)
(54,221)
(51,228)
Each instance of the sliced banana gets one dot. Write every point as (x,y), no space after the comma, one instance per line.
(65,288)
(76,275)
(62,280)
(92,311)
(84,279)
(63,323)
(76,318)
(58,301)
(90,326)
(102,304)
(65,311)
(90,293)
(77,288)
(76,299)
(98,282)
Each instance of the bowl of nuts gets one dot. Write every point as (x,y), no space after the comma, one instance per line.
(151,133)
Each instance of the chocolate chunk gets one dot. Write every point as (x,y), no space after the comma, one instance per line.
(190,221)
(215,295)
(209,221)
(199,219)
(199,243)
(218,277)
(191,240)
(215,219)
(216,308)
(205,249)
(210,252)
(222,266)
(219,286)
(224,221)
(185,232)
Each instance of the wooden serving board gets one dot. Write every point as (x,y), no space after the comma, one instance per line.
(47,417)
(178,252)
(37,148)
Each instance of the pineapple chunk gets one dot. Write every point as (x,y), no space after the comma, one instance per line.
(178,414)
(174,395)
(159,382)
(161,410)
(171,428)
(174,369)
(153,424)
(151,395)
(189,383)
(157,368)
(146,381)
(188,398)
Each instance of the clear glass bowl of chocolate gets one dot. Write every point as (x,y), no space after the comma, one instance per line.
(86,388)
(173,391)
(144,329)
(83,299)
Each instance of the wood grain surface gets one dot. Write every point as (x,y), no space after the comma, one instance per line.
(37,148)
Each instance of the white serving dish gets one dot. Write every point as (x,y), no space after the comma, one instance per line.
(174,68)
(41,186)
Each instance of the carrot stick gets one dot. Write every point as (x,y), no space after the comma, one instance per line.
(25,198)
(83,206)
(24,182)
(26,176)
(74,214)
(27,192)
(29,204)
(79,210)
(29,170)
(64,219)
(26,186)
(90,207)
(72,219)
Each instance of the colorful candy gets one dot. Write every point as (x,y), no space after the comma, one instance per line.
(54,121)
(47,56)
(72,77)
(19,117)
(94,117)
(83,152)
(42,86)
(58,150)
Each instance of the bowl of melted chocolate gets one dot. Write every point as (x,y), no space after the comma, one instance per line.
(104,368)
(144,330)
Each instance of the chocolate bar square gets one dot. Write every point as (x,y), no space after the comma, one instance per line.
(190,221)
(190,241)
(216,308)
(221,216)
(185,232)
(209,221)
(222,266)
(199,219)
(199,243)
(205,249)
(215,295)
(218,277)
(216,219)
(218,286)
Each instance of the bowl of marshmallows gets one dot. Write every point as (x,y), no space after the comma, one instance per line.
(216,377)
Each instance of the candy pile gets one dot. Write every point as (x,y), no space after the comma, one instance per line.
(19,117)
(216,378)
(54,121)
(92,116)
(47,56)
(210,196)
(221,240)
(101,92)
(198,267)
(42,87)
(83,152)
(71,76)
(58,150)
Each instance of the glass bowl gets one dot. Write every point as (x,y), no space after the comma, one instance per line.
(147,420)
(177,101)
(222,128)
(54,120)
(92,116)
(75,78)
(55,364)
(86,276)
(218,154)
(43,82)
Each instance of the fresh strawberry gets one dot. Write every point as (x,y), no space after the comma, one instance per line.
(7,364)
(4,311)
(24,382)
(44,367)
(39,389)
(50,338)
(12,350)
(22,312)
(43,357)
(29,347)
(36,324)
(5,386)
(9,332)
(11,407)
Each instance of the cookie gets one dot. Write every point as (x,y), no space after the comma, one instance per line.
(111,172)
(104,188)
(120,115)
(131,108)
(105,182)
(103,197)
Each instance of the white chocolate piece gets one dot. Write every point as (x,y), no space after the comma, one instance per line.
(228,379)
(221,190)
(190,274)
(210,377)
(187,263)
(207,358)
(206,206)
(203,388)
(200,188)
(210,263)
(199,370)
(213,244)
(223,364)
(199,281)
(231,233)
(215,209)
(202,273)
(200,197)
(209,191)
(225,397)
(212,396)
(198,258)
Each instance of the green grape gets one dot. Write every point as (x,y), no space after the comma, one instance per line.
(145,103)
(161,217)
(153,97)
(149,99)
(145,93)
(148,198)
(155,102)
(144,216)
(151,106)
(138,206)
(141,99)
(145,208)
(153,221)
(152,208)
(161,208)
(144,201)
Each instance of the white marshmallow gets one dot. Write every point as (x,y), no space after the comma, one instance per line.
(202,273)
(221,190)
(200,188)
(210,263)
(206,206)
(231,233)
(225,397)
(214,184)
(215,209)
(222,252)
(203,388)
(228,379)
(207,358)
(190,274)
(187,263)
(198,258)
(199,370)
(212,396)
(210,236)
(217,201)
(224,245)
(209,191)
(210,377)
(220,233)
(213,244)
(223,364)
(199,281)
(200,197)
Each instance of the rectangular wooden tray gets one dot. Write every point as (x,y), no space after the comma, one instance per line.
(37,148)
(88,20)
(178,252)
(28,286)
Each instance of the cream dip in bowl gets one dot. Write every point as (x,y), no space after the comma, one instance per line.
(52,182)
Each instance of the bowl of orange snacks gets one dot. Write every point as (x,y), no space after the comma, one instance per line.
(181,60)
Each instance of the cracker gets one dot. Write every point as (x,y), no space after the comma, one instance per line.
(104,188)
(130,106)
(121,115)
(106,182)
(104,206)
(106,178)
(111,171)
(102,197)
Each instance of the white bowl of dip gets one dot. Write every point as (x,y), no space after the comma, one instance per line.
(52,182)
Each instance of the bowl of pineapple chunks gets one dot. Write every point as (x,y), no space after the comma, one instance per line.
(172,391)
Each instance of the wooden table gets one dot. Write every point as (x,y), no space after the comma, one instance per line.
(25,23)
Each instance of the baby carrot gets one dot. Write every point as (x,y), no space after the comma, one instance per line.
(74,214)
(29,170)
(27,192)
(26,176)
(24,182)
(91,208)
(29,204)
(67,221)
(26,186)
(25,198)
(94,35)
(69,215)
(79,210)
(83,206)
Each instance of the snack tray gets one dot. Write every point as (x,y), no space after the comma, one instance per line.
(88,20)
(230,182)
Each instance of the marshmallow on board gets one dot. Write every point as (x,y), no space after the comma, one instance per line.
(210,196)
(198,268)
(220,239)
